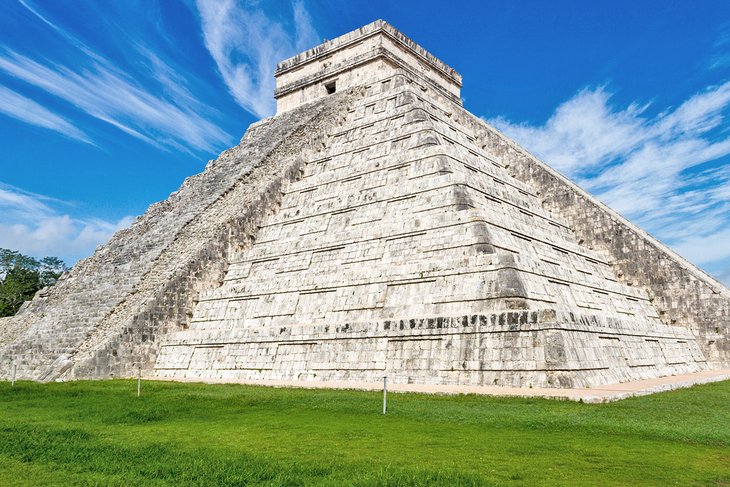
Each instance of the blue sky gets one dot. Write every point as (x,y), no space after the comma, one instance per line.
(106,106)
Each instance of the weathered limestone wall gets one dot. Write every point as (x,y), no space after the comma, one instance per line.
(407,250)
(7,328)
(683,294)
(106,315)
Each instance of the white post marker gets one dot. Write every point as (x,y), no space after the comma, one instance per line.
(139,380)
(385,394)
(15,372)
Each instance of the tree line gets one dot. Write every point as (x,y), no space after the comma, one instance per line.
(21,276)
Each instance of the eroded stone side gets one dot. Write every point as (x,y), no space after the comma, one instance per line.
(683,294)
(105,316)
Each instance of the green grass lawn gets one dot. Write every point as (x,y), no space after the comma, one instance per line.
(99,433)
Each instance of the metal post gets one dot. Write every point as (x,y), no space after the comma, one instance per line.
(139,380)
(385,394)
(15,372)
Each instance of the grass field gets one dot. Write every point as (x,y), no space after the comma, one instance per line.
(99,433)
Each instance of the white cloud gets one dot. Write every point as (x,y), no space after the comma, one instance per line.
(305,36)
(720,56)
(109,95)
(664,172)
(246,44)
(24,109)
(152,105)
(37,225)
(19,204)
(582,134)
(705,249)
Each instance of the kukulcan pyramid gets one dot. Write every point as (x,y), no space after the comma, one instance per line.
(374,227)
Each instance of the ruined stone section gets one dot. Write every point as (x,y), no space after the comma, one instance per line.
(683,294)
(105,317)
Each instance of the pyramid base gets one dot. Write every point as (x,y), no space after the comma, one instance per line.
(544,348)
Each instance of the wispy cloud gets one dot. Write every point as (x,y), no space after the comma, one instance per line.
(665,171)
(109,95)
(68,37)
(246,44)
(152,104)
(720,57)
(21,108)
(38,225)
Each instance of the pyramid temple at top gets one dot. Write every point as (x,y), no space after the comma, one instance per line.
(373,227)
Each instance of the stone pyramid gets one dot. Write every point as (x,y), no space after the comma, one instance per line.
(374,227)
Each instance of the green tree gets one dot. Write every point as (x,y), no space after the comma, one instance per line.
(18,286)
(10,259)
(50,269)
(22,276)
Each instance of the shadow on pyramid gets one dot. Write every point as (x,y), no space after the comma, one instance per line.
(372,228)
